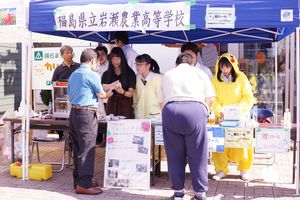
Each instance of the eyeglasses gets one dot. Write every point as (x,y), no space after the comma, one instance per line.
(140,64)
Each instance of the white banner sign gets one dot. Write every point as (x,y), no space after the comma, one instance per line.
(127,158)
(220,17)
(44,62)
(272,140)
(117,17)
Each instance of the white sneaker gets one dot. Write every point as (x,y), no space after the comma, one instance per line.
(218,176)
(245,175)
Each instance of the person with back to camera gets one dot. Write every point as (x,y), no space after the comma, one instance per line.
(232,88)
(84,89)
(186,92)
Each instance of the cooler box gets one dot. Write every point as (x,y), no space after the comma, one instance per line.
(35,171)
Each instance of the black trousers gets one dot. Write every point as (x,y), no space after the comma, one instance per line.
(83,133)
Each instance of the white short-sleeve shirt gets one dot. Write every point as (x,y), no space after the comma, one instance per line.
(130,55)
(185,83)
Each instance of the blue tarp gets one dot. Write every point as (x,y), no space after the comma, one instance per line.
(256,21)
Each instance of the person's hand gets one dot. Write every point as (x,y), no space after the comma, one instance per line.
(120,90)
(109,93)
(221,117)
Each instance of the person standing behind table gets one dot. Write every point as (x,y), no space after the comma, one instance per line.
(84,89)
(102,60)
(145,96)
(64,70)
(119,82)
(122,41)
(192,49)
(102,67)
(232,88)
(186,93)
(68,66)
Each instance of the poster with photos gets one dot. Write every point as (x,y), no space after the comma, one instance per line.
(127,156)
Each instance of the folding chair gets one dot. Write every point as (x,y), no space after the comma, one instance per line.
(53,138)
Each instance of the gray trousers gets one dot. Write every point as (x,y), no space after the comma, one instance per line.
(83,133)
(185,137)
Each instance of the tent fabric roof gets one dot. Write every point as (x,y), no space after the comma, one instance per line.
(256,21)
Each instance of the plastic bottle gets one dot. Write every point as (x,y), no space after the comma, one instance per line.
(287,118)
(50,107)
(212,118)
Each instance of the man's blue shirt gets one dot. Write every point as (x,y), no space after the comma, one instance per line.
(83,85)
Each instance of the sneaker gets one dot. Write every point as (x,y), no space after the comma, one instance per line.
(218,176)
(177,196)
(245,176)
(199,198)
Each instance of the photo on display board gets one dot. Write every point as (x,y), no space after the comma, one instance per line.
(118,182)
(142,149)
(138,140)
(141,168)
(113,163)
(112,173)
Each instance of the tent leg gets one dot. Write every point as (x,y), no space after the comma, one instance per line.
(298,111)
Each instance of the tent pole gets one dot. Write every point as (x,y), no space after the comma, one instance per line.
(28,95)
(298,111)
(276,84)
(22,105)
(287,73)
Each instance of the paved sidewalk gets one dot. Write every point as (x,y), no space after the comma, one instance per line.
(278,186)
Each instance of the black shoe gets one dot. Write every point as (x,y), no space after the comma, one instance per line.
(199,198)
(177,196)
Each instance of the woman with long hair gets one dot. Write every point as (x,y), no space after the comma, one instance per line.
(119,82)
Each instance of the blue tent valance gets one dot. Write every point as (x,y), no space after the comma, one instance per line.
(255,21)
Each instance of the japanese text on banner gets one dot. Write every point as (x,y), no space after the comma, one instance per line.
(117,17)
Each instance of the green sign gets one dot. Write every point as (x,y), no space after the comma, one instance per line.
(38,55)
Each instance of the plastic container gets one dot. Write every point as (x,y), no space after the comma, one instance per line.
(287,118)
(35,171)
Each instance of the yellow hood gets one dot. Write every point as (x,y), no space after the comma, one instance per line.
(231,58)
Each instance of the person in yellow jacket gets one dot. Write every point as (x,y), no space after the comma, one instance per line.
(232,88)
(145,96)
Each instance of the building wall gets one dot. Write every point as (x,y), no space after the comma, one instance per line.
(10,76)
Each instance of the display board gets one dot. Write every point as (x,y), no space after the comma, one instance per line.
(239,137)
(158,135)
(127,158)
(271,140)
(215,139)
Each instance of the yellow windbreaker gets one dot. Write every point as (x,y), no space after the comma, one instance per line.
(238,92)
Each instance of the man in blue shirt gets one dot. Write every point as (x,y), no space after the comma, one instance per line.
(84,89)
